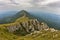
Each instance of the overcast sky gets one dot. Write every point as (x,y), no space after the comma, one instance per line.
(51,5)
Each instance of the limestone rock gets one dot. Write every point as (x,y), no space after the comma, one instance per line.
(28,26)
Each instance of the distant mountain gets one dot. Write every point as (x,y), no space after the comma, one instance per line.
(22,13)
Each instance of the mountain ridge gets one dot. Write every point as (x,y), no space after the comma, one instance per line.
(27,24)
(25,27)
(16,16)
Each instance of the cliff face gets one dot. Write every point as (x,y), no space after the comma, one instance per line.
(27,26)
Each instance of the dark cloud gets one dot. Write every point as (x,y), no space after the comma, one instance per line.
(56,4)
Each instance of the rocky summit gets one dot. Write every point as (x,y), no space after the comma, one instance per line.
(26,26)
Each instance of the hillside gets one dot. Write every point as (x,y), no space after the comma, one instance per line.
(27,27)
(37,35)
(47,34)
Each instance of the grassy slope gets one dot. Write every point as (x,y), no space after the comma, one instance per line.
(43,35)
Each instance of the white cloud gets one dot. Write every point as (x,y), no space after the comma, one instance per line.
(46,2)
(21,3)
(5,1)
(24,4)
(27,3)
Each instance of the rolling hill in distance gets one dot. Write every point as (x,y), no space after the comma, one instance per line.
(24,25)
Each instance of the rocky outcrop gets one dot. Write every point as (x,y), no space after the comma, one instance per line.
(28,26)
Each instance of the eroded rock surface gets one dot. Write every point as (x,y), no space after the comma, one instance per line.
(28,26)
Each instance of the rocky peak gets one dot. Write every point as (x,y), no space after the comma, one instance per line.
(27,26)
(22,13)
